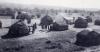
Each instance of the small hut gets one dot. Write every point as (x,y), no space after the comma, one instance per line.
(60,24)
(88,38)
(81,23)
(97,22)
(88,19)
(46,21)
(18,29)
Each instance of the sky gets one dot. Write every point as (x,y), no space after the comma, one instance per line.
(64,3)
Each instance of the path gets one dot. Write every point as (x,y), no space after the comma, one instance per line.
(37,34)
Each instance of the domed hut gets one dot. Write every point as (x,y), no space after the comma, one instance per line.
(60,24)
(87,38)
(46,21)
(18,29)
(88,19)
(81,23)
(97,22)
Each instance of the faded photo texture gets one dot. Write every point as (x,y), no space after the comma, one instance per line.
(49,25)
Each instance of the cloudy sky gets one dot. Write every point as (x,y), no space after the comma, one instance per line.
(64,3)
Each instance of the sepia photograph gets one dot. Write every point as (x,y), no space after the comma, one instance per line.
(49,25)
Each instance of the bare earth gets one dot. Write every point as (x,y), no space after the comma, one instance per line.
(37,42)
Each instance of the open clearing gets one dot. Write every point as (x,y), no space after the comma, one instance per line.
(36,42)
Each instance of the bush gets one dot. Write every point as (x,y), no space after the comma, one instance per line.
(81,23)
(97,22)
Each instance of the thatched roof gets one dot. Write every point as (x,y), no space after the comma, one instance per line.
(46,20)
(61,20)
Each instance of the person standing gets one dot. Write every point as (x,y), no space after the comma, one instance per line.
(0,24)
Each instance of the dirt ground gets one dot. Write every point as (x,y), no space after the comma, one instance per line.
(53,41)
